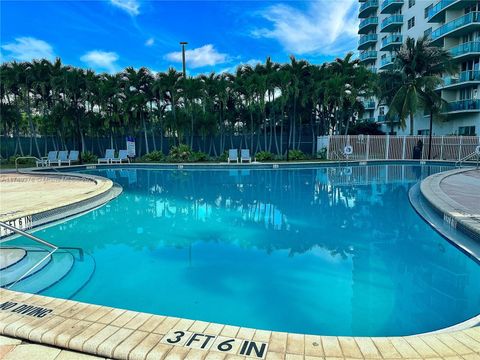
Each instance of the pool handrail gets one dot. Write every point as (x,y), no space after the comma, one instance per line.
(468,157)
(30,236)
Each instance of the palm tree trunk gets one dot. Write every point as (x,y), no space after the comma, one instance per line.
(430,136)
(145,134)
(411,124)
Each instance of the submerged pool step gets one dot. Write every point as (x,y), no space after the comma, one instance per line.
(75,280)
(34,255)
(60,265)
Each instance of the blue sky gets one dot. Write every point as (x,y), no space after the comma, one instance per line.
(110,35)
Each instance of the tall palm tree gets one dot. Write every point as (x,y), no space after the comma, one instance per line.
(420,64)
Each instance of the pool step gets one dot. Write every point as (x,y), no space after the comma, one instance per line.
(60,265)
(75,280)
(33,256)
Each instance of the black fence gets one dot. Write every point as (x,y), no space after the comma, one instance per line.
(10,146)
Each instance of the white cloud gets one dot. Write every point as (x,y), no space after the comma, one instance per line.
(102,60)
(28,48)
(150,42)
(232,69)
(325,27)
(202,56)
(130,6)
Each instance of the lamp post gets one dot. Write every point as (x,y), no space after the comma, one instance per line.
(183,43)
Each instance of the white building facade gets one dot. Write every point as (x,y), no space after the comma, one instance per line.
(452,24)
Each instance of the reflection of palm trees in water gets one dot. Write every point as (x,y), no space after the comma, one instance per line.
(289,205)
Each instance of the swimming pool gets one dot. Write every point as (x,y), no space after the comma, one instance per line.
(320,250)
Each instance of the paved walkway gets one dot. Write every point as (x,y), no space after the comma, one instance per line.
(24,195)
(15,349)
(456,193)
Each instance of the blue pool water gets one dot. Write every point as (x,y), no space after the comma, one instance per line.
(330,251)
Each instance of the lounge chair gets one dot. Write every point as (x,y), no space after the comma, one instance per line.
(72,157)
(122,155)
(245,156)
(232,155)
(45,161)
(109,155)
(62,157)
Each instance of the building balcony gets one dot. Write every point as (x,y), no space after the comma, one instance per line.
(367,25)
(469,105)
(390,6)
(369,104)
(465,78)
(368,8)
(437,13)
(366,41)
(458,27)
(392,23)
(387,62)
(382,119)
(368,56)
(392,42)
(466,50)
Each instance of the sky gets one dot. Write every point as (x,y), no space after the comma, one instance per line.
(109,35)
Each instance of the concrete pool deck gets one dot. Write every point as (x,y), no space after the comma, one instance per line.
(456,195)
(24,195)
(108,332)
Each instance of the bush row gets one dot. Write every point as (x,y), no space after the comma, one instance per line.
(183,153)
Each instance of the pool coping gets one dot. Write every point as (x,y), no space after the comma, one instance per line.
(75,206)
(129,335)
(122,334)
(453,212)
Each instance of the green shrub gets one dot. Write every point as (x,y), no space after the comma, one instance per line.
(296,155)
(154,156)
(29,161)
(322,154)
(198,156)
(223,157)
(180,153)
(264,156)
(89,157)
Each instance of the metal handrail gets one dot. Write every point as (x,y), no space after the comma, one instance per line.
(468,157)
(34,238)
(30,236)
(24,157)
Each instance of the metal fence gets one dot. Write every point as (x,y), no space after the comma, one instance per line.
(394,147)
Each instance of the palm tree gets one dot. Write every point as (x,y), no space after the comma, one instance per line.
(420,65)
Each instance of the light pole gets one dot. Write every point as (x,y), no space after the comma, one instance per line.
(183,43)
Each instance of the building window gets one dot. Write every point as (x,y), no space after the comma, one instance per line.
(411,3)
(466,130)
(423,132)
(427,33)
(411,22)
(427,10)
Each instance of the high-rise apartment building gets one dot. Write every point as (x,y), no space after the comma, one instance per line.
(451,24)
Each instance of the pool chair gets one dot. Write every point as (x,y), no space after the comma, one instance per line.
(62,157)
(45,161)
(109,155)
(232,155)
(122,156)
(245,156)
(72,157)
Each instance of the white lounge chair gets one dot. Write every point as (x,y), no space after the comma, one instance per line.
(62,157)
(45,161)
(122,156)
(109,155)
(232,155)
(245,156)
(72,157)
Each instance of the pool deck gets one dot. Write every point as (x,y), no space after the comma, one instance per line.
(456,194)
(24,195)
(129,335)
(58,326)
